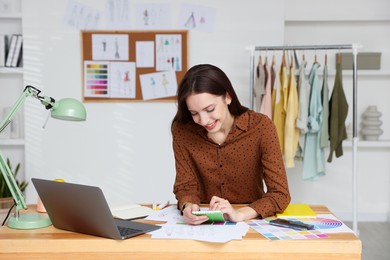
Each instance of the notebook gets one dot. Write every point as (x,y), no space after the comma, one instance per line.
(214,216)
(129,211)
(84,209)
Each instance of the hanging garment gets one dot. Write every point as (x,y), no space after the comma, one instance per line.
(303,108)
(258,90)
(291,132)
(276,88)
(324,139)
(266,101)
(279,108)
(338,111)
(313,155)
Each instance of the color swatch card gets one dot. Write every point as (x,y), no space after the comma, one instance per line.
(323,224)
(297,210)
(96,79)
(279,233)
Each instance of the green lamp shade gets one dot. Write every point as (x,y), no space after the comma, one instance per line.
(69,109)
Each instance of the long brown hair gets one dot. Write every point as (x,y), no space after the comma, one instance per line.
(205,78)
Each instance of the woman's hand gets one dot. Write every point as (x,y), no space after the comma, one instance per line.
(230,213)
(190,218)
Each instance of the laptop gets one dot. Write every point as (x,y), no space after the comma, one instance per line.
(84,209)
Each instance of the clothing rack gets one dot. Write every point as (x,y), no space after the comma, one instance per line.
(354,48)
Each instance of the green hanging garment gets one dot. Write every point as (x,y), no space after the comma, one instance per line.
(338,111)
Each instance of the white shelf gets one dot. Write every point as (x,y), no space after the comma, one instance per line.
(339,20)
(11,16)
(16,70)
(369,144)
(360,73)
(11,142)
(365,73)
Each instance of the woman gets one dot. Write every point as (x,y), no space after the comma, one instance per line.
(224,151)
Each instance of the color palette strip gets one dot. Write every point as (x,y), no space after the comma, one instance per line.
(96,79)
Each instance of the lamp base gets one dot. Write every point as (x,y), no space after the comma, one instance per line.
(29,221)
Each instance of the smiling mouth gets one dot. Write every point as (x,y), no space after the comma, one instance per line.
(211,126)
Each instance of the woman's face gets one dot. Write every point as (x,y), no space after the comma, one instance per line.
(210,111)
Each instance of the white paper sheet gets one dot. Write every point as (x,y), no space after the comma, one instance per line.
(176,229)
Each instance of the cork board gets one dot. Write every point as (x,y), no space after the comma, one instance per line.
(132,66)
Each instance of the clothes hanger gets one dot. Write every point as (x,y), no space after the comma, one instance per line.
(260,59)
(284,58)
(258,66)
(326,58)
(273,59)
(339,57)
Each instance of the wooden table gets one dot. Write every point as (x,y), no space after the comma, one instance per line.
(52,243)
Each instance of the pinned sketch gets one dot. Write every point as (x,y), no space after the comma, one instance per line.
(144,54)
(168,52)
(110,47)
(81,16)
(117,14)
(196,17)
(96,79)
(153,16)
(122,80)
(158,85)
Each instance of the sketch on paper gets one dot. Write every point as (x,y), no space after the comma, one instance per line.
(117,14)
(122,80)
(144,54)
(196,17)
(168,52)
(96,79)
(110,47)
(158,85)
(153,16)
(81,17)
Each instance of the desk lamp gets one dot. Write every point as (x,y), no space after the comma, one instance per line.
(65,109)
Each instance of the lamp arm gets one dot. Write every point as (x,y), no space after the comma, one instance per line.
(14,109)
(9,178)
(29,91)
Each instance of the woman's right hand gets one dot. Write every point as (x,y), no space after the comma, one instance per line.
(190,218)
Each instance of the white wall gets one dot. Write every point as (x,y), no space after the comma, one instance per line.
(125,148)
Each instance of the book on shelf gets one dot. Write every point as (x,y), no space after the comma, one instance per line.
(18,52)
(297,211)
(3,49)
(14,50)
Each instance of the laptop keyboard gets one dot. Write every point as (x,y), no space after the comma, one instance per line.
(126,231)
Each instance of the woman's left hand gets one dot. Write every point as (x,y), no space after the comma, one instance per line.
(226,208)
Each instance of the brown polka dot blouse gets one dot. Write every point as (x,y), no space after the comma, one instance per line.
(234,170)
